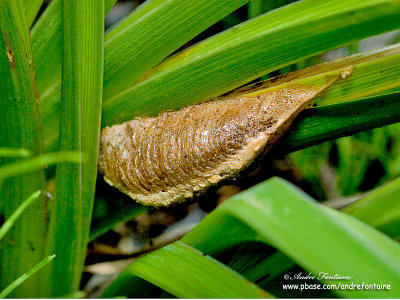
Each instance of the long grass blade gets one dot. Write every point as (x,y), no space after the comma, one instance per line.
(134,46)
(38,162)
(14,152)
(19,128)
(280,215)
(83,26)
(4,293)
(47,45)
(194,275)
(18,212)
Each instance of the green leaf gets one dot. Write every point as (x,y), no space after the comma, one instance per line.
(380,209)
(47,45)
(256,263)
(255,8)
(249,50)
(18,212)
(19,128)
(14,152)
(280,215)
(82,78)
(32,8)
(137,44)
(194,275)
(38,163)
(24,277)
(108,4)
